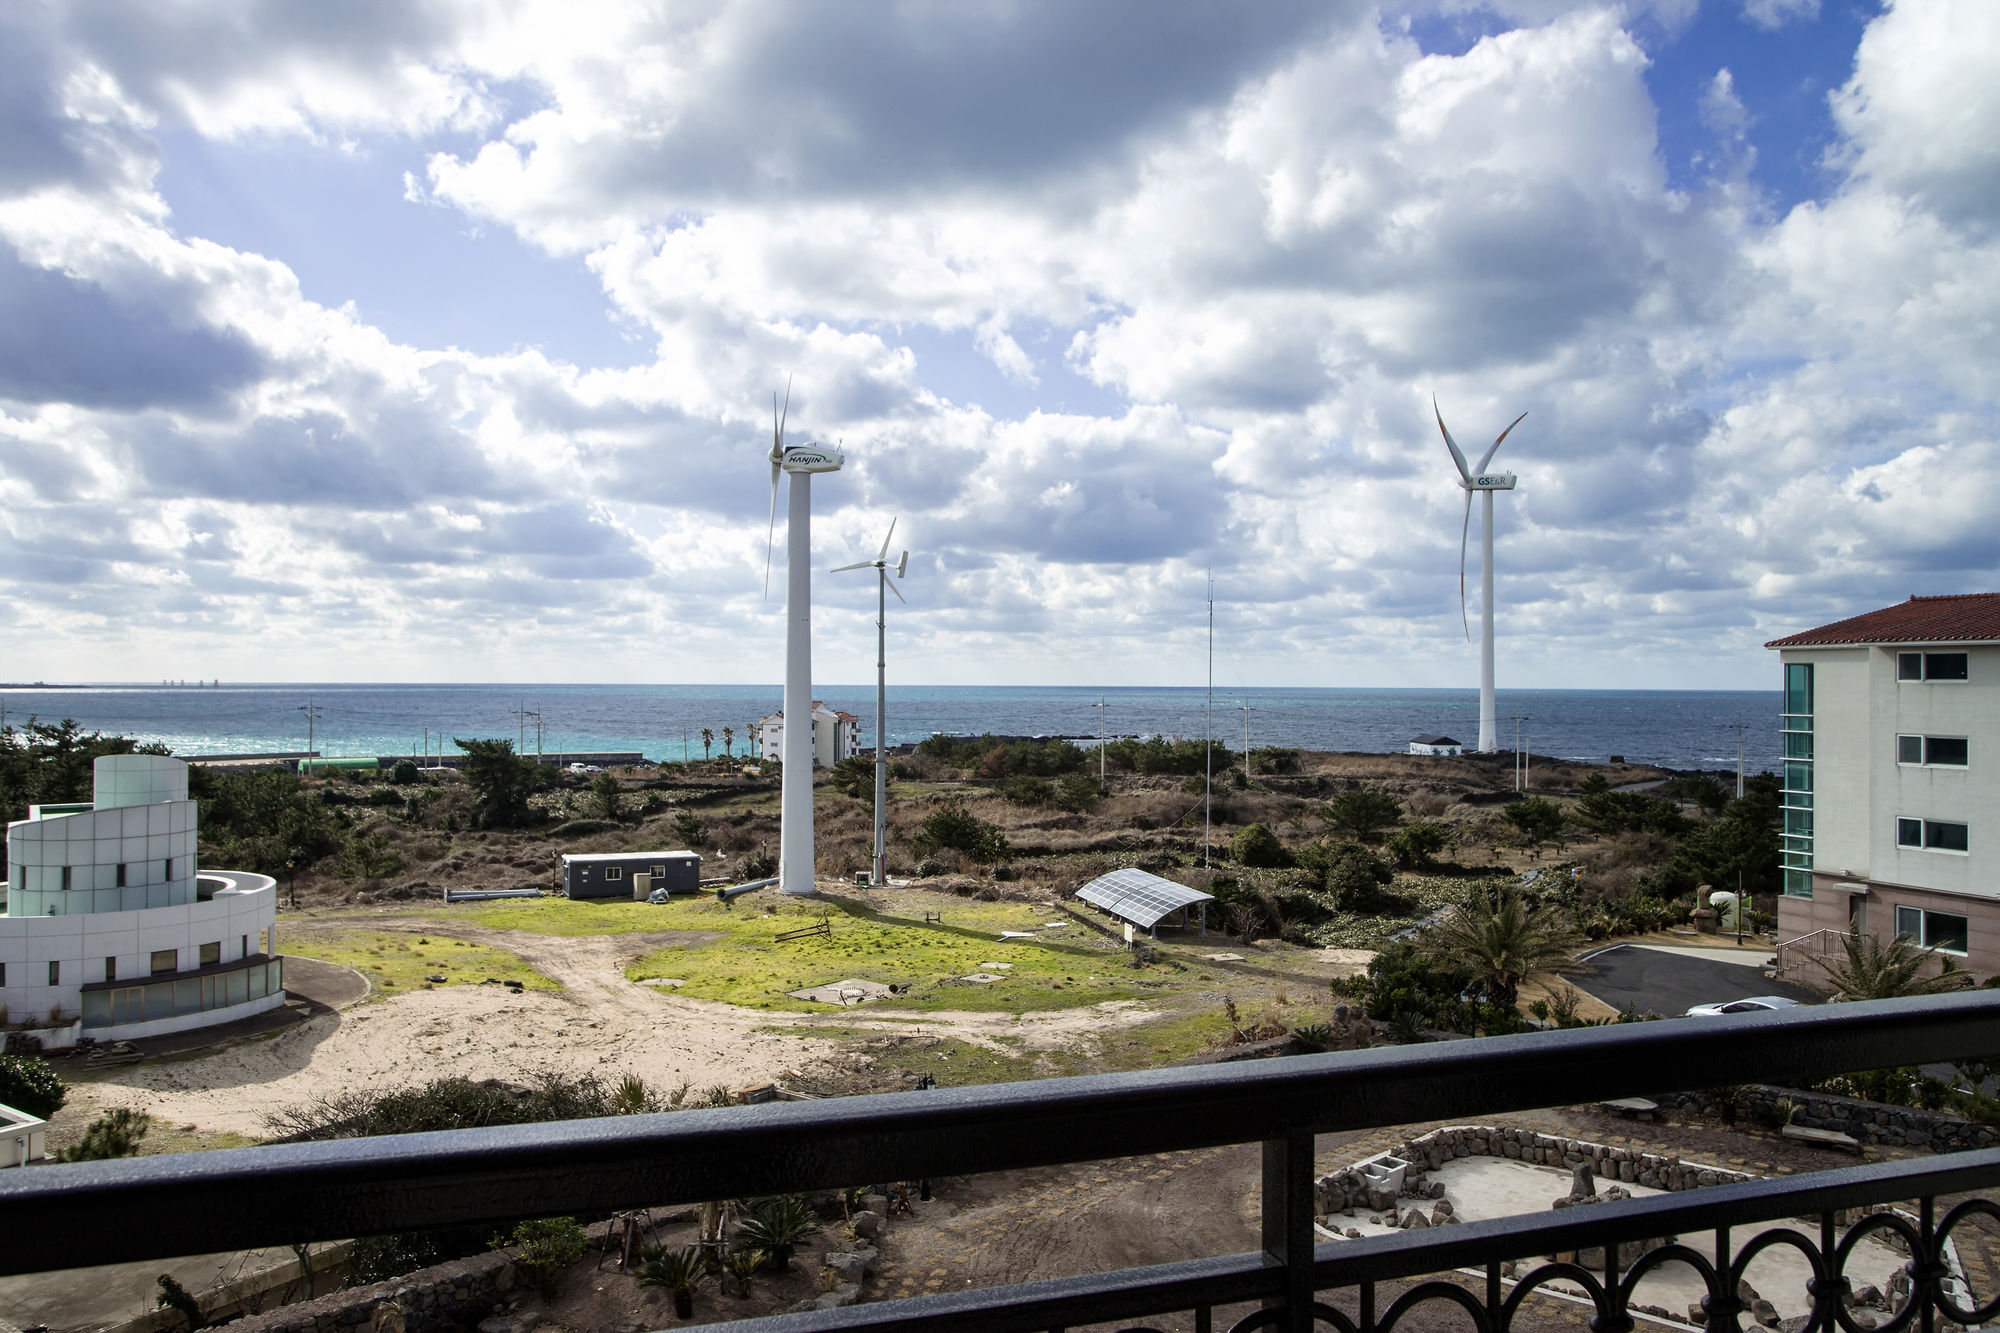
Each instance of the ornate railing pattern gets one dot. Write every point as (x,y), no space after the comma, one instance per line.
(103,1212)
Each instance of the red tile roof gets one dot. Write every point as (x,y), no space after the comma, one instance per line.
(1970,617)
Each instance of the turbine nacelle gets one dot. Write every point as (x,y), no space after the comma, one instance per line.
(1493,481)
(810,458)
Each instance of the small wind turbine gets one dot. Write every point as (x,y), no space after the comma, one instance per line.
(1471,480)
(879,873)
(795,808)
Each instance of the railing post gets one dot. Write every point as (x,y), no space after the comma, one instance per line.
(1287,1224)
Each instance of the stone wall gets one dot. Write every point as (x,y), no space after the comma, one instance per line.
(1868,1122)
(448,1297)
(1348,1188)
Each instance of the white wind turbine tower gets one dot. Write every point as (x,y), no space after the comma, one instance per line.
(879,871)
(795,805)
(1485,483)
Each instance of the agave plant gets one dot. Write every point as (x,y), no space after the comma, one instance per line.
(679,1272)
(741,1265)
(777,1226)
(631,1096)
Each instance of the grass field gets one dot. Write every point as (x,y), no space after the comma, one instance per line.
(745,963)
(393,961)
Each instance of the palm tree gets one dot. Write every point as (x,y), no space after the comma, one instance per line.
(1877,971)
(728,739)
(707,741)
(1501,943)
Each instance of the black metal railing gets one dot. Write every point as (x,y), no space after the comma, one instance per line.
(105,1212)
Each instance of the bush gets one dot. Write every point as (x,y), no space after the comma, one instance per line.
(777,1226)
(1417,845)
(1363,812)
(27,1083)
(1156,755)
(1353,878)
(953,827)
(544,1247)
(1078,792)
(678,1272)
(116,1133)
(1275,759)
(996,757)
(1537,819)
(1257,846)
(405,773)
(689,831)
(760,864)
(1022,789)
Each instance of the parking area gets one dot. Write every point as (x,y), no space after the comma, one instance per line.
(1672,981)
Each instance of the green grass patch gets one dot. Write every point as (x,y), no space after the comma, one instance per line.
(745,963)
(394,961)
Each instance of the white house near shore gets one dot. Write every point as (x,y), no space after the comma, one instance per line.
(836,736)
(1443,745)
(1891,803)
(110,923)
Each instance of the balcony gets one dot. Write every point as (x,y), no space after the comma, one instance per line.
(56,1217)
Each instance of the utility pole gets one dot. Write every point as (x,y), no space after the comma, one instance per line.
(312,716)
(538,737)
(1739,772)
(1246,742)
(1517,752)
(1100,740)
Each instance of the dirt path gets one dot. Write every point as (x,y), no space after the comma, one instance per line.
(599,1023)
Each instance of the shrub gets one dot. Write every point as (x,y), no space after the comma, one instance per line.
(1537,819)
(116,1133)
(1363,812)
(173,1296)
(544,1247)
(953,827)
(777,1226)
(689,831)
(996,757)
(1023,789)
(1078,792)
(27,1083)
(760,864)
(1417,845)
(676,1271)
(1257,846)
(1353,878)
(405,773)
(605,795)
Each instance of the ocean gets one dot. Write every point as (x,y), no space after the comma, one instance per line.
(1677,729)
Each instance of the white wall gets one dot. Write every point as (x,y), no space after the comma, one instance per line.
(80,944)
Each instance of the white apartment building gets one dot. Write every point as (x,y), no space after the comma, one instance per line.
(1892,776)
(836,736)
(109,922)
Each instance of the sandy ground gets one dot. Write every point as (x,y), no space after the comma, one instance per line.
(600,1023)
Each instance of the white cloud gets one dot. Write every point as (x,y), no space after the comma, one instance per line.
(1772,15)
(1270,233)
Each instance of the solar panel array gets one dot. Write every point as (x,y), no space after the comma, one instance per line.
(1138,897)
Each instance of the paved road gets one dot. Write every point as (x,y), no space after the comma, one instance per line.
(1672,983)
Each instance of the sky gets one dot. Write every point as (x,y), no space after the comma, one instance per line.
(437,341)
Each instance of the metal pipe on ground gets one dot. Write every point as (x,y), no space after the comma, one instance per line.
(738,890)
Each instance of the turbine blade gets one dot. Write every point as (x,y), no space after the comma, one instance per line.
(787,412)
(1450,443)
(884,555)
(865,564)
(902,564)
(1496,444)
(892,588)
(771,529)
(1464,535)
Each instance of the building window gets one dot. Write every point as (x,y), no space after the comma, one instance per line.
(1931,666)
(170,869)
(3,974)
(1796,854)
(65,878)
(1949,751)
(243,949)
(166,960)
(659,872)
(121,874)
(1945,931)
(614,872)
(111,969)
(55,973)
(211,954)
(1937,835)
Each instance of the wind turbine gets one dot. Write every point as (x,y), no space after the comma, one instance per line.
(879,873)
(1485,483)
(795,802)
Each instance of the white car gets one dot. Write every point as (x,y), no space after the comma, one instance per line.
(1756,1004)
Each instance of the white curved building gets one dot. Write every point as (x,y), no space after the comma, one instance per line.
(108,919)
